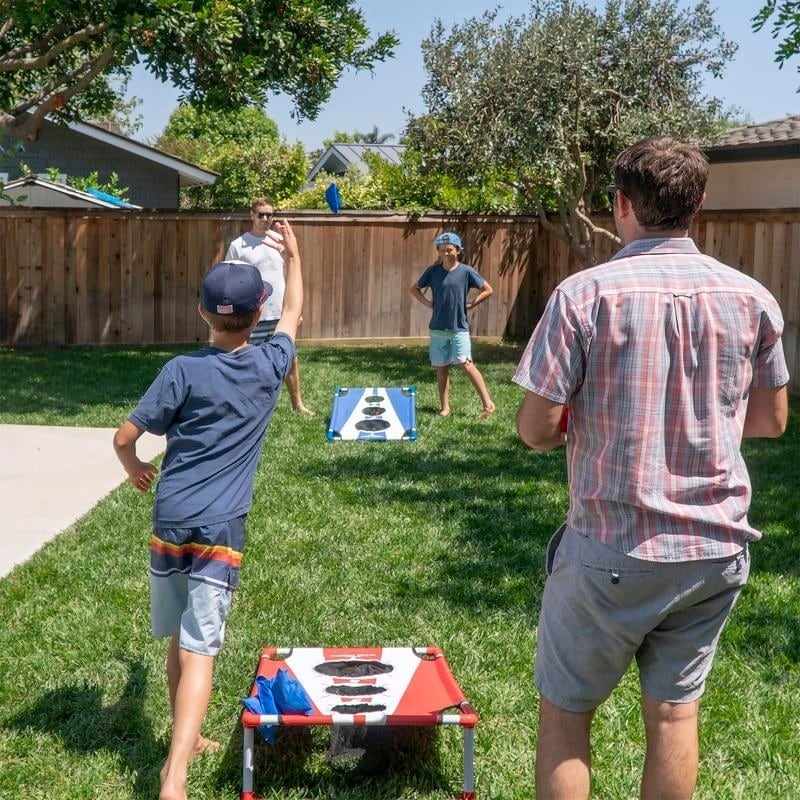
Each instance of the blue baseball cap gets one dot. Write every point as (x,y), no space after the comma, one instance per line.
(233,287)
(448,238)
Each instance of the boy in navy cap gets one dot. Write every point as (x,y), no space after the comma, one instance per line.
(214,406)
(450,282)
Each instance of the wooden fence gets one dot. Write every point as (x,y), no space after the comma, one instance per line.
(107,277)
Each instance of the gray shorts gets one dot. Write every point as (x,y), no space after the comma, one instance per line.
(193,610)
(601,609)
(264,331)
(193,572)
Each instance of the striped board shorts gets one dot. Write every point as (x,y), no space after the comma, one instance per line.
(193,573)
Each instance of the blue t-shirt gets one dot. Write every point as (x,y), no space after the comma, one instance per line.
(450,289)
(214,407)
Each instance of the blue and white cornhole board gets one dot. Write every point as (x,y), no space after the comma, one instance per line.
(375,414)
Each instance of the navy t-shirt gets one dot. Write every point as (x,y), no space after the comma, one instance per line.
(450,289)
(214,407)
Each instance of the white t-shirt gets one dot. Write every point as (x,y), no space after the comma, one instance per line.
(269,261)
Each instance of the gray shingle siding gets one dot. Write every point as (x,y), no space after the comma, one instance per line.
(149,185)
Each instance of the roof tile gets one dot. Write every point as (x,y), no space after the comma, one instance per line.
(779,130)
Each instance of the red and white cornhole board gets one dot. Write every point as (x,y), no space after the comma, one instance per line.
(407,686)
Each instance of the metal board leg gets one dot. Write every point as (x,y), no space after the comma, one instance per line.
(468,792)
(247,765)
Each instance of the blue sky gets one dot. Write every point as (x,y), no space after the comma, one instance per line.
(752,80)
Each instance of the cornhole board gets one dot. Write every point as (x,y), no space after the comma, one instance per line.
(374,414)
(404,686)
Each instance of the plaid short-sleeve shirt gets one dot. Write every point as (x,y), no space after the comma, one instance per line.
(655,352)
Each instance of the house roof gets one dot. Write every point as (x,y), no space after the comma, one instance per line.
(40,193)
(776,139)
(341,155)
(190,174)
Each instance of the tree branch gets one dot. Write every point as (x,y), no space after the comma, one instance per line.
(37,44)
(27,127)
(597,230)
(529,191)
(10,62)
(5,28)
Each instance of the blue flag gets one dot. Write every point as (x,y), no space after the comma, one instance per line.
(334,198)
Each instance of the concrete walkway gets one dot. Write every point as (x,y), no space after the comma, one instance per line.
(50,477)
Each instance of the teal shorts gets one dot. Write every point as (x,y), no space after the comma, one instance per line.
(449,347)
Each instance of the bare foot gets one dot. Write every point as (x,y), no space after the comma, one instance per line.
(445,412)
(304,410)
(171,790)
(203,745)
(488,411)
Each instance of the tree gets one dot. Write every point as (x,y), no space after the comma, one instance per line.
(243,146)
(547,100)
(63,59)
(372,137)
(786,19)
(123,117)
(192,132)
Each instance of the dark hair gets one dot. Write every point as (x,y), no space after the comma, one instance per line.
(230,323)
(664,179)
(261,201)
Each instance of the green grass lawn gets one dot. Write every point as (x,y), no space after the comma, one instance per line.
(434,542)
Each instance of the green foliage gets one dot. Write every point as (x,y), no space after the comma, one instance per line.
(785,16)
(92,181)
(250,170)
(373,136)
(406,187)
(206,129)
(64,59)
(548,99)
(123,116)
(243,146)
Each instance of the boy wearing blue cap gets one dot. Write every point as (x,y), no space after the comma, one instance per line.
(214,406)
(450,282)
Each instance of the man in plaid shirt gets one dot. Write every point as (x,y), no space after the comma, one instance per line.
(665,358)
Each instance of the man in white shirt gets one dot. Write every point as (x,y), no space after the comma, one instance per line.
(261,246)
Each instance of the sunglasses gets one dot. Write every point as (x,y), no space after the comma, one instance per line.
(265,214)
(611,193)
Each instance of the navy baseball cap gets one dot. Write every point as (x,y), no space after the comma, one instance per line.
(233,287)
(448,238)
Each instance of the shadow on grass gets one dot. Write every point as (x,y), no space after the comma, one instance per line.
(65,381)
(505,500)
(76,715)
(383,762)
(404,365)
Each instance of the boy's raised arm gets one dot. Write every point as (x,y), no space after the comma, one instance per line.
(293,295)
